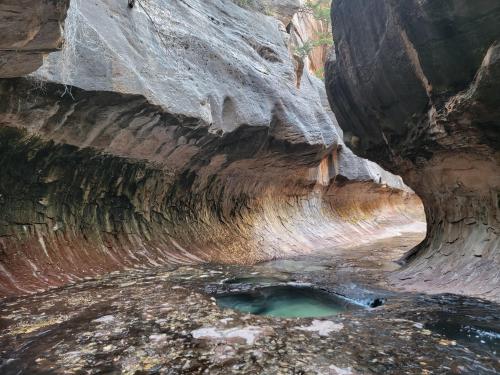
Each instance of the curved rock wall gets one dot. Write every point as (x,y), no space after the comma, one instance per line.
(145,142)
(415,87)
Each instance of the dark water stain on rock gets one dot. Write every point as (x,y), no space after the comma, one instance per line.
(479,331)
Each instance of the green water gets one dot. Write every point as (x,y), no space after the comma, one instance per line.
(285,302)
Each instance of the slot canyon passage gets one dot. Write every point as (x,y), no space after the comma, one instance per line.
(249,187)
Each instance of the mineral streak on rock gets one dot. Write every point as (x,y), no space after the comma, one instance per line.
(147,142)
(415,86)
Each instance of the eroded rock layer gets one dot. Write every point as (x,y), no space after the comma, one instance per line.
(145,142)
(416,88)
(30,30)
(69,212)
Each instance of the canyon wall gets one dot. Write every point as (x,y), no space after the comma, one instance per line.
(176,133)
(415,86)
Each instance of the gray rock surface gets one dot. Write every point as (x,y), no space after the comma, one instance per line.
(152,51)
(283,10)
(212,60)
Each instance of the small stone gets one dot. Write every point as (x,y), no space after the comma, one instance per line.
(104,319)
(322,327)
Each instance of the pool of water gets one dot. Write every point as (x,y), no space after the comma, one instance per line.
(285,302)
(466,330)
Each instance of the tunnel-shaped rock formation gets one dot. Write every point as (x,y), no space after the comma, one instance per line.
(415,86)
(145,142)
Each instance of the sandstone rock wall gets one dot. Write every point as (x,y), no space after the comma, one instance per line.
(174,132)
(415,87)
(30,30)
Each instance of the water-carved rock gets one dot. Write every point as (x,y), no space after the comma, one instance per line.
(416,88)
(146,141)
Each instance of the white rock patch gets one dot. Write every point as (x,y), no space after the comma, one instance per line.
(323,327)
(249,334)
(104,319)
(341,371)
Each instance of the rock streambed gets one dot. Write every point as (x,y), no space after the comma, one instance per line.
(167,321)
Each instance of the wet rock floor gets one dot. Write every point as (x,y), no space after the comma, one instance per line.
(166,321)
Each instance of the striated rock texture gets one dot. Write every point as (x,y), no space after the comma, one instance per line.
(146,141)
(416,88)
(30,30)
